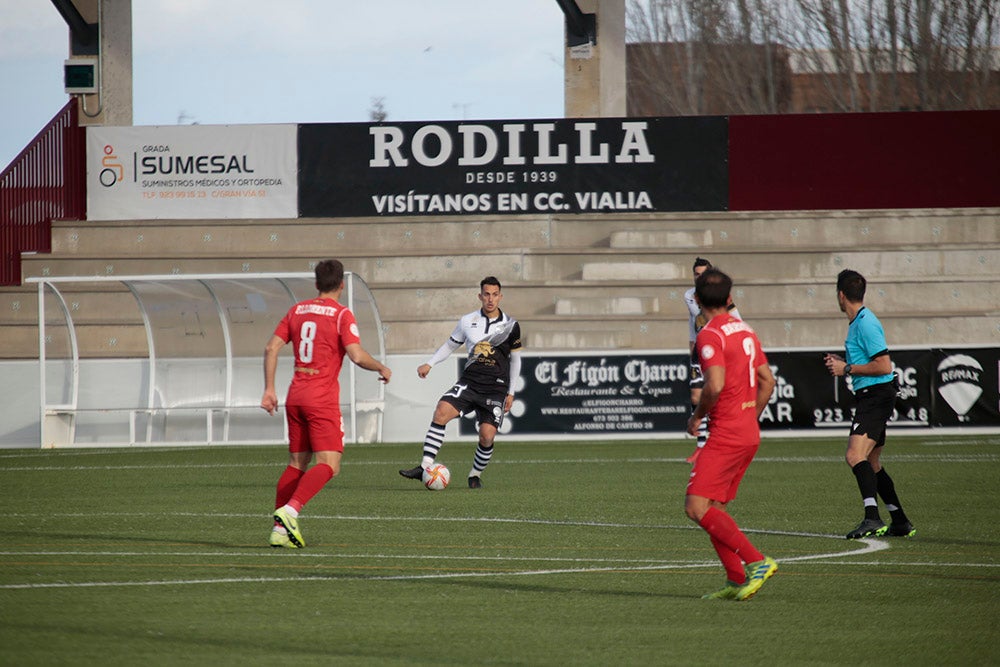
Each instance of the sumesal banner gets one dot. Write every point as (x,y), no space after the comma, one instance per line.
(192,172)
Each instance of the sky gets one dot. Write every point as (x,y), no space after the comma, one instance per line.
(299,61)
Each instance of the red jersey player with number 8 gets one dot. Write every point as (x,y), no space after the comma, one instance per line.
(321,331)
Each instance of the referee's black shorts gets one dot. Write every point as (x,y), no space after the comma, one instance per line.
(874,410)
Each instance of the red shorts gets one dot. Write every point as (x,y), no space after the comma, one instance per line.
(719,469)
(314,429)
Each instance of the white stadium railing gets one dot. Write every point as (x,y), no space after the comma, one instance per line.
(201,379)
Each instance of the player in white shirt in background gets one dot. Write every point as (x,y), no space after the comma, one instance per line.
(696,320)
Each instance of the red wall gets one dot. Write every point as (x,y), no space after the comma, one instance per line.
(948,159)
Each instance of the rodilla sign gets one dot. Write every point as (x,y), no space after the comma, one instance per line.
(617,165)
(490,167)
(547,166)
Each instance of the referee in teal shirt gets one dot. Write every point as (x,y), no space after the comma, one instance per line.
(874,384)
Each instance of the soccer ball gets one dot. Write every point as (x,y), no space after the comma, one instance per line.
(436,477)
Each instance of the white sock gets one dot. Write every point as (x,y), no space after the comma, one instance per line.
(292,512)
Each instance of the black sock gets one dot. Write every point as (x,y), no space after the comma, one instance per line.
(887,491)
(865,475)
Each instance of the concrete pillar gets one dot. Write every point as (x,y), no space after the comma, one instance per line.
(595,74)
(113,104)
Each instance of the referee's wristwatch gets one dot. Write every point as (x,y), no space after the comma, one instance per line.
(847,369)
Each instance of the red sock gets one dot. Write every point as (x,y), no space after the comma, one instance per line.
(310,484)
(721,526)
(731,561)
(286,485)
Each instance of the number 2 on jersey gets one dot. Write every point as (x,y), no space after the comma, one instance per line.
(751,352)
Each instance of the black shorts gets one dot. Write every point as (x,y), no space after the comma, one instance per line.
(487,406)
(874,410)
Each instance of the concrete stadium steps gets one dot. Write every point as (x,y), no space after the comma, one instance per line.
(18,305)
(699,232)
(942,296)
(622,334)
(107,320)
(401,336)
(424,336)
(88,266)
(520,299)
(901,330)
(113,341)
(119,339)
(613,306)
(94,341)
(882,264)
(548,265)
(570,298)
(570,315)
(18,341)
(467,269)
(575,282)
(550,333)
(103,303)
(280,238)
(89,305)
(705,232)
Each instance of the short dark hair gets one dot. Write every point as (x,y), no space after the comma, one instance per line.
(852,284)
(489,280)
(713,288)
(329,275)
(701,261)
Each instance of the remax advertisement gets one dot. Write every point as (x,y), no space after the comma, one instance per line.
(966,387)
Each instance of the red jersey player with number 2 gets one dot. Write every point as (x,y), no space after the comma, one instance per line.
(322,332)
(738,385)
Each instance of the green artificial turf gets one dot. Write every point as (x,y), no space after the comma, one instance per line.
(573,553)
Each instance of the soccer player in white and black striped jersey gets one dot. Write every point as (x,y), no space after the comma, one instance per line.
(486,386)
(696,320)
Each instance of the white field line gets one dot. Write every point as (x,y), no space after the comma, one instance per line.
(120,452)
(399,577)
(351,556)
(443,575)
(805,561)
(117,452)
(437,519)
(939,458)
(868,546)
(655,563)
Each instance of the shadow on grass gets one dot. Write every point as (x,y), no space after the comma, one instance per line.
(921,539)
(104,537)
(179,647)
(522,585)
